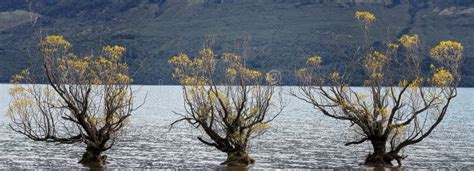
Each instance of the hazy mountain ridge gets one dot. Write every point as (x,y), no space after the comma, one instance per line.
(270,34)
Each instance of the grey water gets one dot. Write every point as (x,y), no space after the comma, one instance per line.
(300,138)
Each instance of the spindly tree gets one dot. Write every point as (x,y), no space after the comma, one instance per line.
(229,108)
(86,99)
(399,105)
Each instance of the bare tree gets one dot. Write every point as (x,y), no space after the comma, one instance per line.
(86,99)
(229,108)
(399,105)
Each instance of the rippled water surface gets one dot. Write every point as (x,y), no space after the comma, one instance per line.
(300,138)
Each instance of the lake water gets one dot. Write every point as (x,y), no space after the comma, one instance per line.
(300,138)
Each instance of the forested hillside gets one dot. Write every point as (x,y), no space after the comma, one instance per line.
(269,34)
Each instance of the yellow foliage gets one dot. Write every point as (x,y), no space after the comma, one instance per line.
(19,103)
(78,64)
(441,77)
(418,82)
(316,60)
(415,83)
(252,74)
(231,72)
(384,112)
(16,78)
(88,69)
(400,130)
(258,128)
(19,77)
(56,41)
(447,50)
(207,55)
(301,73)
(72,81)
(115,51)
(403,83)
(17,89)
(189,80)
(393,46)
(230,57)
(335,76)
(368,116)
(104,62)
(261,126)
(374,63)
(123,78)
(101,119)
(216,96)
(199,70)
(377,75)
(409,41)
(206,52)
(238,98)
(375,60)
(199,63)
(181,59)
(365,17)
(377,55)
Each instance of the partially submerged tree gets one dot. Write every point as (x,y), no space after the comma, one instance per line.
(226,101)
(86,99)
(399,105)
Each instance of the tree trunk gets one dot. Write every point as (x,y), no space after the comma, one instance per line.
(239,158)
(93,158)
(379,157)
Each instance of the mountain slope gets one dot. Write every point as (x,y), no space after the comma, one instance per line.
(270,34)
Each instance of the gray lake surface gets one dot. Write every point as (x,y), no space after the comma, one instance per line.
(300,138)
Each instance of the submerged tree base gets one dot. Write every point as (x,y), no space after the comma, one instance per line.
(382,160)
(377,161)
(238,159)
(93,159)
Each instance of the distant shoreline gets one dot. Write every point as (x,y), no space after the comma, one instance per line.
(164,85)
